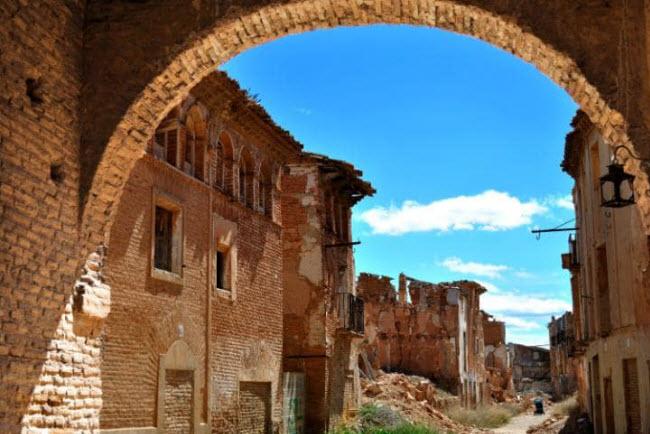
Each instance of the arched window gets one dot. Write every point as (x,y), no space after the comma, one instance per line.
(223,174)
(246,167)
(265,190)
(327,207)
(195,143)
(165,140)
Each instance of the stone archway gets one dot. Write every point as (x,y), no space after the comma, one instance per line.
(225,40)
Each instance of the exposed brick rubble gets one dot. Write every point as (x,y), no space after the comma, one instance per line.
(497,362)
(435,332)
(415,398)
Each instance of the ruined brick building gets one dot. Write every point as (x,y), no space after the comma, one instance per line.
(498,365)
(323,317)
(427,329)
(563,364)
(196,257)
(531,368)
(211,252)
(84,86)
(608,260)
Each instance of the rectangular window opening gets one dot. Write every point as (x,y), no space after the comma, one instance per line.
(164,228)
(166,239)
(221,269)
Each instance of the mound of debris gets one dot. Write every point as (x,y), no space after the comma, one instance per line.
(416,399)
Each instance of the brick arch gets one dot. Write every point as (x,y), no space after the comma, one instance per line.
(226,39)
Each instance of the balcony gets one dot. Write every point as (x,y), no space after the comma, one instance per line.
(351,313)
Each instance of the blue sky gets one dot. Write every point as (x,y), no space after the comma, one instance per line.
(462,142)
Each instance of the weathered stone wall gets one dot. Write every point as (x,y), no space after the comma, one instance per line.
(432,335)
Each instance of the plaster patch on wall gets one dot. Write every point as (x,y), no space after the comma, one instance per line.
(316,330)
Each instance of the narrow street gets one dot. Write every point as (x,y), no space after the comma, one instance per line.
(520,424)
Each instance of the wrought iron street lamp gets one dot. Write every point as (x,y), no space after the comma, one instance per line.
(616,186)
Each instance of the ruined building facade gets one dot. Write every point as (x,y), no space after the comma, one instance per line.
(563,364)
(196,258)
(498,366)
(85,84)
(531,368)
(191,323)
(611,298)
(435,331)
(323,317)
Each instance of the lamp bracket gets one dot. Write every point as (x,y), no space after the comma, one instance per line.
(629,152)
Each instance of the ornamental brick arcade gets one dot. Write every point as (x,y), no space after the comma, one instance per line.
(149,209)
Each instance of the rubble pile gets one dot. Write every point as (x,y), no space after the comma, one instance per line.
(415,398)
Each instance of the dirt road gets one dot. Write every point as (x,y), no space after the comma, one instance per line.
(519,424)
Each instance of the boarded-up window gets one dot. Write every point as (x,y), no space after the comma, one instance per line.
(602,277)
(178,401)
(254,408)
(632,402)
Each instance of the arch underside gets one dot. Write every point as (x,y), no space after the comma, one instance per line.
(228,38)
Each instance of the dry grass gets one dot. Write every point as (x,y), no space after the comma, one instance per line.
(489,416)
(565,408)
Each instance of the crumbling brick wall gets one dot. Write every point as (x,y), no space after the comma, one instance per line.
(562,350)
(422,333)
(531,369)
(318,276)
(497,361)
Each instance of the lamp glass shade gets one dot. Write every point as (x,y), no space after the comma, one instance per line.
(616,187)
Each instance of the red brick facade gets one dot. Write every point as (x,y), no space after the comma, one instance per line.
(233,333)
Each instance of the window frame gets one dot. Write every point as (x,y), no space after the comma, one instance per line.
(170,203)
(168,128)
(224,239)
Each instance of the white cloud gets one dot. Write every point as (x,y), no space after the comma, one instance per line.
(528,337)
(522,304)
(556,201)
(488,211)
(519,323)
(565,202)
(476,268)
(522,274)
(491,287)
